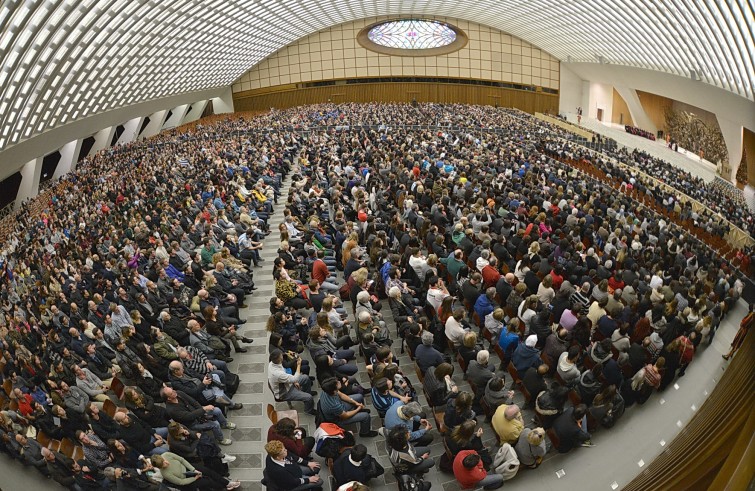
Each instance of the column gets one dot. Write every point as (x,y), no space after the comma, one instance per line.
(69,154)
(195,112)
(131,130)
(224,103)
(732,132)
(639,117)
(155,124)
(102,139)
(749,148)
(176,117)
(29,187)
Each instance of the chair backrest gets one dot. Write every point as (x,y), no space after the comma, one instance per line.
(420,375)
(43,439)
(8,386)
(514,373)
(553,437)
(66,447)
(272,414)
(109,408)
(270,386)
(117,387)
(462,362)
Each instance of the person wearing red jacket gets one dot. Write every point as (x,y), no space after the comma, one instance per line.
(470,473)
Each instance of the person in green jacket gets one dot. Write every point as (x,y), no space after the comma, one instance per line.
(177,470)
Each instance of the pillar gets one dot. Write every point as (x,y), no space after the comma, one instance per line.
(224,103)
(29,187)
(748,142)
(155,124)
(69,153)
(732,133)
(102,140)
(130,130)
(176,117)
(195,112)
(639,116)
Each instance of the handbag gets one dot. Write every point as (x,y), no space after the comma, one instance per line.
(409,482)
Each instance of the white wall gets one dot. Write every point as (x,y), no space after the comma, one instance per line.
(731,110)
(570,91)
(702,95)
(601,97)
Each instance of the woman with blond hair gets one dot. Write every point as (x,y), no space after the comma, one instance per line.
(530,448)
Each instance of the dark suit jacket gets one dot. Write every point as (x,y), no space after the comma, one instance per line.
(344,471)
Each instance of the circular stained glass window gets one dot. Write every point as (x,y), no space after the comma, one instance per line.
(412,34)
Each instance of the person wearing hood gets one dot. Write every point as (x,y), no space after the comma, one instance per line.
(567,365)
(494,322)
(600,352)
(556,343)
(656,346)
(549,404)
(526,355)
(541,326)
(589,384)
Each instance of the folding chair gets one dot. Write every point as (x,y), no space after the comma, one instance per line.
(274,415)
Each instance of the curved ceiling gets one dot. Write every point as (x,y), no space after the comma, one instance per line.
(63,60)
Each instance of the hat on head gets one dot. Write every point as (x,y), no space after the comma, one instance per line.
(531,340)
(411,410)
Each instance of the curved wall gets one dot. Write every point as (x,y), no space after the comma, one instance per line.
(334,53)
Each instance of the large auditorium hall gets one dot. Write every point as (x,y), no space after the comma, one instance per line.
(342,245)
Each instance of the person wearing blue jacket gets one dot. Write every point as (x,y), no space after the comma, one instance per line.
(526,355)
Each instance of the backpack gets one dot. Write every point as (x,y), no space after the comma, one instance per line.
(410,482)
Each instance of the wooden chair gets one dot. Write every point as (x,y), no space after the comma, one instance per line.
(553,437)
(8,386)
(514,374)
(486,408)
(66,447)
(408,349)
(276,398)
(117,387)
(527,395)
(574,398)
(109,408)
(462,362)
(488,335)
(43,439)
(54,445)
(420,375)
(274,415)
(78,453)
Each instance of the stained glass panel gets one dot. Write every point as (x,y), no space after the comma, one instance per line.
(412,34)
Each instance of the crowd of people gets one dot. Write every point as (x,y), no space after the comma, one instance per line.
(639,132)
(127,289)
(124,288)
(585,297)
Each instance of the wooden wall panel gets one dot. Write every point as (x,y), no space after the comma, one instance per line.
(530,102)
(620,108)
(655,107)
(697,454)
